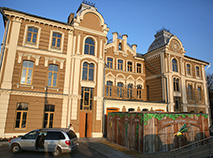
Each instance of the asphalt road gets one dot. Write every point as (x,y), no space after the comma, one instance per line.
(83,152)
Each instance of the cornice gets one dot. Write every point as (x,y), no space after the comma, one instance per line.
(39,20)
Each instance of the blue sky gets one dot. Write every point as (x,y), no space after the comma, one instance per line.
(191,21)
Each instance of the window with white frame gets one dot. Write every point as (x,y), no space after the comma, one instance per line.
(27,72)
(109,62)
(89,47)
(197,71)
(174,65)
(188,69)
(120,64)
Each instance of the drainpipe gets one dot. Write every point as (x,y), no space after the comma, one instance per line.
(103,119)
(209,109)
(5,37)
(167,95)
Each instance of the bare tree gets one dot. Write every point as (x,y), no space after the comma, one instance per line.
(210,90)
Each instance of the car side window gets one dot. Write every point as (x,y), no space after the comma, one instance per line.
(30,135)
(71,134)
(54,136)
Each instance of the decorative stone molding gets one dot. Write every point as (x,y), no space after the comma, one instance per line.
(75,96)
(29,56)
(47,59)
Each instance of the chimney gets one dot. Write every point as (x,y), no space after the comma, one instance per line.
(134,46)
(115,36)
(70,18)
(125,38)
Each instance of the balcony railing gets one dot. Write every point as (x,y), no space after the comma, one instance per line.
(122,93)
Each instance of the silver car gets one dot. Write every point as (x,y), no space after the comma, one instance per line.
(55,140)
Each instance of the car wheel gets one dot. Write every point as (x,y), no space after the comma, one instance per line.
(57,152)
(16,148)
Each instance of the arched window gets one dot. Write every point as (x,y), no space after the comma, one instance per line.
(176,84)
(129,91)
(139,91)
(120,46)
(52,75)
(89,46)
(188,69)
(174,65)
(119,90)
(88,71)
(109,89)
(27,72)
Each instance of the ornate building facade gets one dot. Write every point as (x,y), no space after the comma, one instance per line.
(55,73)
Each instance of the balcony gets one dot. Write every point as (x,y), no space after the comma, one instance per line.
(123,93)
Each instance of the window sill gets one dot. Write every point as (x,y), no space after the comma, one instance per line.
(85,83)
(59,50)
(33,45)
(51,88)
(25,85)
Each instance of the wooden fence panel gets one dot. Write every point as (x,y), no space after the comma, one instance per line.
(150,132)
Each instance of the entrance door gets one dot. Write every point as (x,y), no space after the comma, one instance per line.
(85,127)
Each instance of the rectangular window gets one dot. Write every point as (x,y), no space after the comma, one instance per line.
(119,90)
(32,35)
(21,115)
(27,71)
(56,40)
(199,94)
(129,66)
(188,71)
(52,75)
(120,64)
(139,67)
(109,62)
(197,71)
(86,98)
(189,92)
(48,116)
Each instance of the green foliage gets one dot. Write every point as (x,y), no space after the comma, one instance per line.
(111,114)
(121,114)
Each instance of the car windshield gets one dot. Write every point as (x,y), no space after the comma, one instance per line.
(71,134)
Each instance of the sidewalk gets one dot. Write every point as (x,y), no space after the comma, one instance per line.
(112,150)
(99,145)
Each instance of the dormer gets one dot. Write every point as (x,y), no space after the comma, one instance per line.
(120,45)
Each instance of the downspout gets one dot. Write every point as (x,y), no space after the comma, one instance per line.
(209,109)
(103,111)
(5,37)
(167,95)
